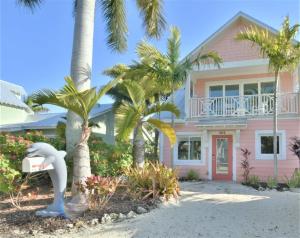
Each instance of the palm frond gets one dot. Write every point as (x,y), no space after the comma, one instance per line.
(32,4)
(174,43)
(211,57)
(153,18)
(135,92)
(116,70)
(164,128)
(126,120)
(116,27)
(163,107)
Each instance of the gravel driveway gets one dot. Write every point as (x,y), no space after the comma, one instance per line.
(212,209)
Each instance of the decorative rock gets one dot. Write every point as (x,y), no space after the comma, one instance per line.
(261,188)
(121,217)
(114,216)
(131,214)
(141,210)
(79,224)
(94,221)
(70,225)
(106,218)
(33,232)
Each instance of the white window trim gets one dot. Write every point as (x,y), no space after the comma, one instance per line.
(282,145)
(189,162)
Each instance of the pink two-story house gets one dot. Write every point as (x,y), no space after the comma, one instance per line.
(229,108)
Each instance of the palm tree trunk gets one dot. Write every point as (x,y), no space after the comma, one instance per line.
(80,72)
(138,147)
(172,124)
(156,137)
(275,127)
(81,158)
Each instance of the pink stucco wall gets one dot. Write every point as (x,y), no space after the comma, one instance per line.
(265,168)
(229,48)
(261,168)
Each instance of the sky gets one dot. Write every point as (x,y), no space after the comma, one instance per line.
(36,46)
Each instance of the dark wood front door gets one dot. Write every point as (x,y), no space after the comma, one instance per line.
(222,157)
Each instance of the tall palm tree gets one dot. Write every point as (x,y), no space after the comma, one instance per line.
(132,115)
(283,54)
(81,103)
(169,71)
(115,19)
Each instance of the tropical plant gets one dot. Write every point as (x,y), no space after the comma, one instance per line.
(163,71)
(99,190)
(152,181)
(167,69)
(115,20)
(192,175)
(246,165)
(132,115)
(81,103)
(283,53)
(294,181)
(295,147)
(35,107)
(271,183)
(254,180)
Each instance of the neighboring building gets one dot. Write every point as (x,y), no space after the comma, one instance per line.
(12,106)
(226,109)
(16,116)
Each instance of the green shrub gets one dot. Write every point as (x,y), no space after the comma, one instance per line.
(253,180)
(294,181)
(99,190)
(153,181)
(109,160)
(271,183)
(192,175)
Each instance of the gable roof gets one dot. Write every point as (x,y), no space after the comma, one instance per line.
(239,16)
(12,94)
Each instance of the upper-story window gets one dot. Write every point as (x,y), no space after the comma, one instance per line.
(224,90)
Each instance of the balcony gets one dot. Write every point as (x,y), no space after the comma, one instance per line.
(247,106)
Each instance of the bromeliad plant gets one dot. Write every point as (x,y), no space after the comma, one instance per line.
(245,164)
(153,181)
(283,53)
(81,103)
(133,113)
(99,190)
(295,147)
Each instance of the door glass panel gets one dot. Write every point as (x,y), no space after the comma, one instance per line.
(251,89)
(232,90)
(183,149)
(222,156)
(195,148)
(216,91)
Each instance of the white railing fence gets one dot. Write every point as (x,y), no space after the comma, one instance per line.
(248,105)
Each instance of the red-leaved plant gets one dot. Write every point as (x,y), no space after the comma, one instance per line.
(295,147)
(246,165)
(99,190)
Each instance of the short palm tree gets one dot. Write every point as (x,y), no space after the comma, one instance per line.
(114,13)
(81,103)
(167,69)
(133,113)
(283,54)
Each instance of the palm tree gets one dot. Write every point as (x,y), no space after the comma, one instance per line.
(134,113)
(116,27)
(35,107)
(283,54)
(81,103)
(167,69)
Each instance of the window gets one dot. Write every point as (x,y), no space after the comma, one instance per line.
(232,90)
(216,91)
(188,150)
(267,87)
(251,89)
(264,145)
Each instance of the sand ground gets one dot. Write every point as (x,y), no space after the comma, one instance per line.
(212,209)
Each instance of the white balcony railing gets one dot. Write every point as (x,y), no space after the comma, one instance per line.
(251,105)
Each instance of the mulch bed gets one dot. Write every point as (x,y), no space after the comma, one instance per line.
(22,223)
(263,185)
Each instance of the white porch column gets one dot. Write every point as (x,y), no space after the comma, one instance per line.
(187,96)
